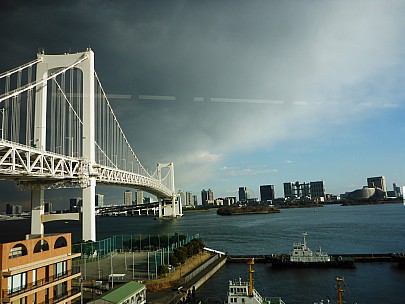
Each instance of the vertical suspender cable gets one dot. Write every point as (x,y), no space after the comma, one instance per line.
(28,127)
(6,109)
(69,114)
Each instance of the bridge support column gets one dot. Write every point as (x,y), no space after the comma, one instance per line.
(174,207)
(89,211)
(37,210)
(160,213)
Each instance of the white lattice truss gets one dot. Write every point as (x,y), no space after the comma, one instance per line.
(108,175)
(31,167)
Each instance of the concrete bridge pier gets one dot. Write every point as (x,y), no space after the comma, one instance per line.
(89,211)
(37,211)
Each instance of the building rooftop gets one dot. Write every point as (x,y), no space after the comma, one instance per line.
(123,292)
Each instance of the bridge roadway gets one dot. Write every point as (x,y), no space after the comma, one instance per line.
(119,209)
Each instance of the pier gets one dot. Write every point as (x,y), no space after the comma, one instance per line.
(357,257)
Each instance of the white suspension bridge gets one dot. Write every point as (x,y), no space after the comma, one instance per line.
(58,130)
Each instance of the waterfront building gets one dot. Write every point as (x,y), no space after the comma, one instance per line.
(13,209)
(99,200)
(243,194)
(366,193)
(229,200)
(195,200)
(304,189)
(48,207)
(267,194)
(131,292)
(128,197)
(219,202)
(139,197)
(288,190)
(317,190)
(377,182)
(207,197)
(313,190)
(189,199)
(38,270)
(9,209)
(75,205)
(182,197)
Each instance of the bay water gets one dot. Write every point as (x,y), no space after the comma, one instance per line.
(338,229)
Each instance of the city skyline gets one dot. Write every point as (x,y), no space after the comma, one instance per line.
(261,94)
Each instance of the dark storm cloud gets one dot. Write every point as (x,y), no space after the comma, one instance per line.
(304,54)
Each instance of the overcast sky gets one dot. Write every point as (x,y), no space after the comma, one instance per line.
(237,93)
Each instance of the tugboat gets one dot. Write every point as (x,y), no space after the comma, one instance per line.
(302,256)
(244,292)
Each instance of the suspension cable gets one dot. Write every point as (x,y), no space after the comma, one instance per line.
(41,81)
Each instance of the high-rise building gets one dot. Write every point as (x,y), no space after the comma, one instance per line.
(377,182)
(9,209)
(13,209)
(305,190)
(230,200)
(139,197)
(317,189)
(75,204)
(48,207)
(397,190)
(182,197)
(99,200)
(288,190)
(243,195)
(207,197)
(128,197)
(189,199)
(195,200)
(267,194)
(38,270)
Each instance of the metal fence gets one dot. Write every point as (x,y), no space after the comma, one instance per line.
(156,249)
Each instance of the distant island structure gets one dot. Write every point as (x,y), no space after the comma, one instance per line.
(249,209)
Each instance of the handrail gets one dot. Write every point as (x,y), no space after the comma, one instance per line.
(68,294)
(39,283)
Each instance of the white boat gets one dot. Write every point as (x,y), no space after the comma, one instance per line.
(302,254)
(244,292)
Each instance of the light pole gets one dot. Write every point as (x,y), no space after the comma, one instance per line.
(81,290)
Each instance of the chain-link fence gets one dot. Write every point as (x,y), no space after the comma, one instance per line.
(125,257)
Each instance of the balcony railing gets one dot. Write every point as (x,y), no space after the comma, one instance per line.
(7,293)
(62,297)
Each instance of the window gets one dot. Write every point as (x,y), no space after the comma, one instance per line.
(60,269)
(17,282)
(17,251)
(60,242)
(60,290)
(34,277)
(40,246)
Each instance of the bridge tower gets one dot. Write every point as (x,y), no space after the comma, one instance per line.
(45,67)
(172,208)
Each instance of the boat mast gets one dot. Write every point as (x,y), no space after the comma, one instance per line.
(305,241)
(340,290)
(251,271)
